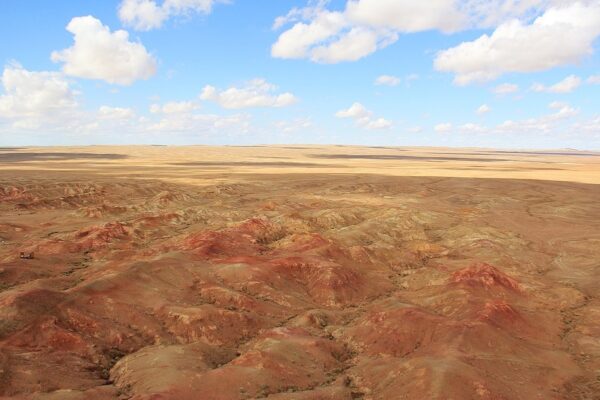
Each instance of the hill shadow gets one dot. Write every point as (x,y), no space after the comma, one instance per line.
(25,157)
(276,164)
(545,153)
(12,148)
(524,153)
(385,157)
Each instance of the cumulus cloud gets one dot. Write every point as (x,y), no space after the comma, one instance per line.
(555,122)
(406,15)
(546,124)
(594,80)
(362,27)
(256,93)
(31,100)
(491,13)
(353,45)
(563,110)
(116,113)
(387,80)
(320,40)
(443,127)
(379,123)
(174,107)
(294,125)
(31,94)
(183,118)
(471,128)
(198,123)
(44,102)
(506,88)
(589,128)
(567,85)
(560,120)
(356,110)
(364,118)
(483,109)
(562,35)
(145,15)
(142,14)
(301,13)
(101,54)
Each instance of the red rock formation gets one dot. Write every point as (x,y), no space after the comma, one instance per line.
(485,276)
(339,292)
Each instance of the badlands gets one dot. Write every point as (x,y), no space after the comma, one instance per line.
(299,272)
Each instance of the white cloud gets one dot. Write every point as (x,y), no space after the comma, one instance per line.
(365,26)
(491,13)
(174,107)
(557,105)
(142,14)
(443,127)
(562,35)
(300,40)
(554,123)
(590,127)
(506,88)
(483,109)
(297,14)
(116,113)
(355,111)
(101,54)
(44,102)
(182,118)
(197,123)
(471,128)
(379,123)
(37,103)
(295,125)
(387,80)
(353,45)
(31,100)
(256,93)
(325,36)
(567,85)
(563,110)
(29,94)
(594,80)
(364,118)
(558,122)
(406,15)
(145,15)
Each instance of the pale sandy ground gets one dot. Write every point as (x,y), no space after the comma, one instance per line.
(195,164)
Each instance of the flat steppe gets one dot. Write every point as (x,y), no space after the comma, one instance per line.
(299,272)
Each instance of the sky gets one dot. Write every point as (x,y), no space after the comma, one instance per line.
(469,73)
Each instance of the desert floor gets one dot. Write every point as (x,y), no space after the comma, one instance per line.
(299,272)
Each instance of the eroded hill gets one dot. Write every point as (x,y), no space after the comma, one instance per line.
(298,286)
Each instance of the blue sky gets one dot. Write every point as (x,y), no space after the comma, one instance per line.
(216,72)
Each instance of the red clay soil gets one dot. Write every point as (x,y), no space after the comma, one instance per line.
(356,288)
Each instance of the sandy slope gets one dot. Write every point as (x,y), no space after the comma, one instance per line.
(303,272)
